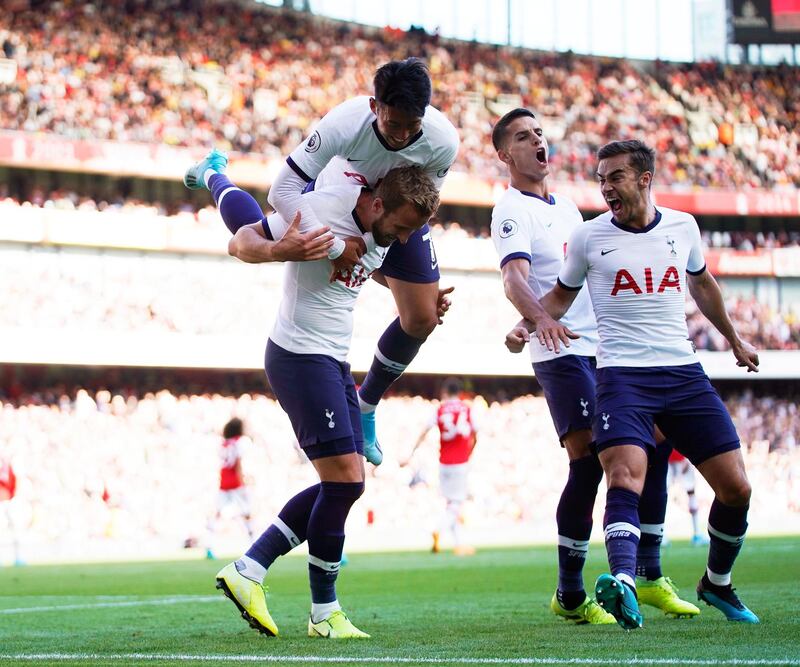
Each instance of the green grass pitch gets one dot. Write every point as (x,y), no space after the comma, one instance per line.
(420,608)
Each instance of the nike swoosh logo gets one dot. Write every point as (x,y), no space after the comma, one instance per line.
(327,632)
(603,253)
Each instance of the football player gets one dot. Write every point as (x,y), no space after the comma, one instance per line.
(638,260)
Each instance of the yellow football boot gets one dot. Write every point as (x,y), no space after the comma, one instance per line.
(587,612)
(249,597)
(663,594)
(336,626)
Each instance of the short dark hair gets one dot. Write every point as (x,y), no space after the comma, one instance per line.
(643,158)
(404,85)
(408,185)
(452,386)
(233,429)
(501,126)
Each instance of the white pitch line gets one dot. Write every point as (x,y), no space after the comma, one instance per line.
(126,603)
(315,659)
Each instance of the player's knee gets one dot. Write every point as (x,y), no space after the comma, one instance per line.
(736,494)
(419,324)
(622,476)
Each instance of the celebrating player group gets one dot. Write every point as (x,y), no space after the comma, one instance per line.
(601,306)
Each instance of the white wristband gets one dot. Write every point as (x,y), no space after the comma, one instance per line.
(336,249)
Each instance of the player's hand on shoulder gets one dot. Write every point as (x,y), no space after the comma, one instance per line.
(307,247)
(354,248)
(516,339)
(746,356)
(443,303)
(553,334)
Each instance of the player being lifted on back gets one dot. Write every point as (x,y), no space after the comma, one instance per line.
(308,372)
(457,440)
(359,141)
(636,259)
(530,229)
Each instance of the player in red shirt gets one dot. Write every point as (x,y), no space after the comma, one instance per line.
(232,489)
(457,439)
(682,471)
(8,489)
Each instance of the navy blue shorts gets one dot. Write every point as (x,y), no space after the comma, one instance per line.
(414,261)
(680,399)
(319,395)
(568,383)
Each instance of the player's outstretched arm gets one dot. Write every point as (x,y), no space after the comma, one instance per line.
(706,292)
(250,244)
(548,330)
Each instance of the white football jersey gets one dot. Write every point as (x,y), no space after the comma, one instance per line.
(316,315)
(528,227)
(346,146)
(637,281)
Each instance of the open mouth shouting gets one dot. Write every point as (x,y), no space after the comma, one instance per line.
(614,205)
(541,156)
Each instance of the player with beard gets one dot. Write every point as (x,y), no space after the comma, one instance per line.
(358,142)
(307,370)
(638,261)
(530,228)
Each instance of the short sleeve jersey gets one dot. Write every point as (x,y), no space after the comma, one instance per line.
(230,455)
(456,431)
(316,315)
(345,146)
(526,226)
(637,281)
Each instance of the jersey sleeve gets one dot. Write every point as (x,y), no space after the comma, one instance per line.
(511,235)
(330,137)
(576,264)
(274,226)
(439,167)
(327,206)
(696,263)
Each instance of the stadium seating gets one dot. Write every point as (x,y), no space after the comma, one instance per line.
(112,292)
(103,470)
(255,83)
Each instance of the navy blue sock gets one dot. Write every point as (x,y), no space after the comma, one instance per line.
(574,520)
(237,207)
(288,531)
(726,527)
(396,350)
(621,527)
(326,536)
(652,511)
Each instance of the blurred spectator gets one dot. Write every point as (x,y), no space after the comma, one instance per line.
(444,231)
(114,292)
(123,468)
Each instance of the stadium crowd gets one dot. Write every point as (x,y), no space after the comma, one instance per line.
(765,326)
(112,291)
(207,216)
(141,468)
(255,79)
